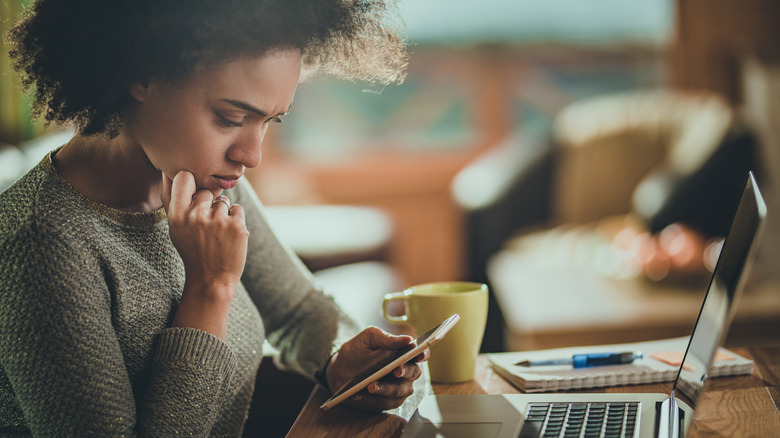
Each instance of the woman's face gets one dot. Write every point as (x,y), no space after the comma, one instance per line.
(212,124)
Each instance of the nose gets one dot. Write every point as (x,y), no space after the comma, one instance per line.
(247,149)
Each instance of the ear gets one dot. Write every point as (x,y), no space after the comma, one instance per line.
(139,90)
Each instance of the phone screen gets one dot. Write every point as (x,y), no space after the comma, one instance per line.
(392,360)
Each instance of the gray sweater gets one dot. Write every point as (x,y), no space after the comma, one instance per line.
(87,296)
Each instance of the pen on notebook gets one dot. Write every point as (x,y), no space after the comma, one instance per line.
(586,360)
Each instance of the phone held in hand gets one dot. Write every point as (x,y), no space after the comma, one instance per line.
(393,361)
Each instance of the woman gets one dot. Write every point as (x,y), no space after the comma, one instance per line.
(139,277)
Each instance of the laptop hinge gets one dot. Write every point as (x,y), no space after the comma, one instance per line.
(669,418)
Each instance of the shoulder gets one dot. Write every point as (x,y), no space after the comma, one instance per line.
(49,261)
(37,203)
(20,203)
(42,233)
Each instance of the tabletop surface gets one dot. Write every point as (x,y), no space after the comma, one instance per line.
(733,406)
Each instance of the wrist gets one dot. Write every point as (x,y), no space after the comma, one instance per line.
(206,308)
(323,375)
(215,290)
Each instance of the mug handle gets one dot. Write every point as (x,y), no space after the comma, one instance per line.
(396,296)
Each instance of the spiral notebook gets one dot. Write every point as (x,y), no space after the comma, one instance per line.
(659,363)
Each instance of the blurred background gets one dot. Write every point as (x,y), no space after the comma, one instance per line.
(526,136)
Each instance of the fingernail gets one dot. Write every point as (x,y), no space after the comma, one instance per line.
(374,387)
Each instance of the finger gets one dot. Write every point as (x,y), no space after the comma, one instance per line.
(237,211)
(203,198)
(221,204)
(409,371)
(165,195)
(182,189)
(397,389)
(424,356)
(380,339)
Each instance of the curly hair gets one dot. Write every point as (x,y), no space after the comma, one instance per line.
(77,57)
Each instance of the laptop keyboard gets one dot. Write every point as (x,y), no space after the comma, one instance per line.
(580,419)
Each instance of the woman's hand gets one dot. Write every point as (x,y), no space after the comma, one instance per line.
(365,349)
(211,238)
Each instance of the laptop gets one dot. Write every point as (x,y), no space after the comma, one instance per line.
(613,414)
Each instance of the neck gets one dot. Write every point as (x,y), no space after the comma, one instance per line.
(113,172)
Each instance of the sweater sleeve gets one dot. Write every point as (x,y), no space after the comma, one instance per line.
(61,356)
(190,371)
(302,323)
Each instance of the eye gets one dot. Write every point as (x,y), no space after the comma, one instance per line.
(277,119)
(227,122)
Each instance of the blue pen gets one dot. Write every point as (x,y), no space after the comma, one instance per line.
(587,360)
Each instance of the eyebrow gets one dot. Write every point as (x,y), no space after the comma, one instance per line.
(247,107)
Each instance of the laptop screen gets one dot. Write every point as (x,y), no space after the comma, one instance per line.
(726,284)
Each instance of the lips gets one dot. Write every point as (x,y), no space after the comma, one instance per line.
(226,182)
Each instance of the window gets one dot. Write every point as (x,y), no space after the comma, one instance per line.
(482,68)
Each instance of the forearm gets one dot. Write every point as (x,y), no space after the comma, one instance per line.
(205,307)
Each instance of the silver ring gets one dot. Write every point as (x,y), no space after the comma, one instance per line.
(223,199)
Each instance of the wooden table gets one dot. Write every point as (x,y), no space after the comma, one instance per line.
(602,310)
(744,406)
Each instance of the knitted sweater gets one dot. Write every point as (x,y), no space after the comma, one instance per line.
(87,297)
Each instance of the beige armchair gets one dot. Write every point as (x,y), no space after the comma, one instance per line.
(608,145)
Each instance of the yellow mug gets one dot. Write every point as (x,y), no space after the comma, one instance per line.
(454,358)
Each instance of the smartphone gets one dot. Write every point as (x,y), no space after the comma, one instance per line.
(391,362)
